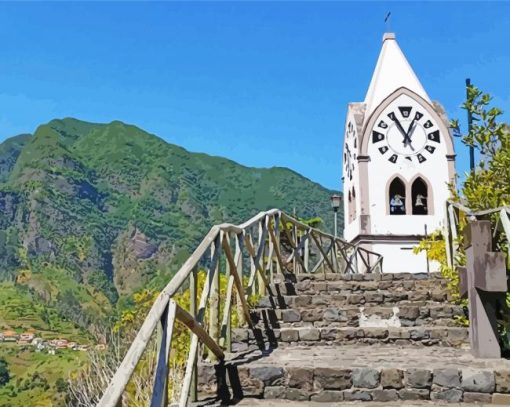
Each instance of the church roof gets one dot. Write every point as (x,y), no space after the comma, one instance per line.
(391,73)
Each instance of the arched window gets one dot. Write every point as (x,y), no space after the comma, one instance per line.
(397,197)
(420,196)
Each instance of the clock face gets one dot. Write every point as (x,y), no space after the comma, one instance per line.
(406,133)
(350,150)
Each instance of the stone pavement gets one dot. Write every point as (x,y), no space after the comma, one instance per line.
(287,403)
(382,356)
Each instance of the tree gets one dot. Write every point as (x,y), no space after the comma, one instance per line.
(488,186)
(5,375)
(61,385)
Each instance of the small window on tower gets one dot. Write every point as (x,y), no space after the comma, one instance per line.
(397,197)
(354,203)
(420,197)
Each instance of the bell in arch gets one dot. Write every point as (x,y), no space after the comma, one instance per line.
(419,200)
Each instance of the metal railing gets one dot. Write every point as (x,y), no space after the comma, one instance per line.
(269,244)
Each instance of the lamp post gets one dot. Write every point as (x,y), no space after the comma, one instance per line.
(335,204)
(470,126)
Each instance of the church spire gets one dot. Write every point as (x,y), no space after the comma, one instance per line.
(391,73)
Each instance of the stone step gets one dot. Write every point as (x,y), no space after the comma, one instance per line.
(377,373)
(338,299)
(255,402)
(244,339)
(426,323)
(312,287)
(361,277)
(374,315)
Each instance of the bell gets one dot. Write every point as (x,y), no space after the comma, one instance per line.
(419,200)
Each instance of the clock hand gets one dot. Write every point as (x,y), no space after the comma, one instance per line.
(409,138)
(410,131)
(412,127)
(399,126)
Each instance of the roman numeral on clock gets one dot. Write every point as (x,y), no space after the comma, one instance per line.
(376,137)
(383,149)
(382,124)
(405,111)
(434,136)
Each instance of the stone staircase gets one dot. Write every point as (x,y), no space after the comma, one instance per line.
(335,309)
(332,338)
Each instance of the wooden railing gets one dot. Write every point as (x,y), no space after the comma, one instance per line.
(476,243)
(458,215)
(271,243)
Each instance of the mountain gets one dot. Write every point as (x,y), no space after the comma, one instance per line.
(90,213)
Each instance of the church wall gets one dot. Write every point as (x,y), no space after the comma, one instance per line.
(351,183)
(399,258)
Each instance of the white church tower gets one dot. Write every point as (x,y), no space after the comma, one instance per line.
(398,159)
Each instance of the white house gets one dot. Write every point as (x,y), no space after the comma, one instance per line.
(398,159)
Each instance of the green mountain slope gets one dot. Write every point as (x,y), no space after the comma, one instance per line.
(9,152)
(92,212)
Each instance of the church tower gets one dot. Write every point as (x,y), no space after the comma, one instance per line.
(398,159)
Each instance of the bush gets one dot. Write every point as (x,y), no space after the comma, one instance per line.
(5,375)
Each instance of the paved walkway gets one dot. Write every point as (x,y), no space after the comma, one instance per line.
(380,356)
(286,403)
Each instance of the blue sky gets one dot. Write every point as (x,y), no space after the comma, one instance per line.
(265,84)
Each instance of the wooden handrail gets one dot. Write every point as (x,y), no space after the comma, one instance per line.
(260,240)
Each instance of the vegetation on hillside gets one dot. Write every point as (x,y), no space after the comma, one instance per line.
(91,213)
(488,187)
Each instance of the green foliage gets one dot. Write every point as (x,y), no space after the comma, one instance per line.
(80,190)
(34,375)
(81,202)
(5,375)
(61,385)
(435,249)
(488,187)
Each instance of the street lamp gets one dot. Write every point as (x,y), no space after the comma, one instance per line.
(336,200)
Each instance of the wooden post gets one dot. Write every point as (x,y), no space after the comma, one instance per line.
(253,269)
(204,298)
(294,259)
(334,255)
(486,286)
(193,281)
(271,252)
(238,259)
(261,246)
(214,305)
(277,242)
(446,233)
(160,388)
(453,229)
(227,308)
(307,252)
